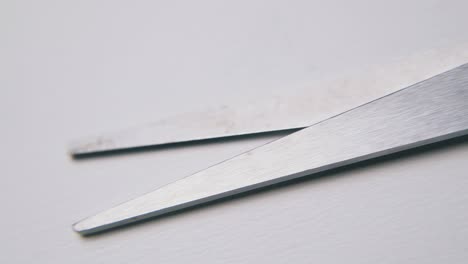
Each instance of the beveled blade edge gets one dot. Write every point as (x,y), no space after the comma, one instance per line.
(424,113)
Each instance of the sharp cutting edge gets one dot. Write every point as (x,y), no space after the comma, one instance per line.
(282,113)
(427,112)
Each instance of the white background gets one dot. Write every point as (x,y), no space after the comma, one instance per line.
(75,68)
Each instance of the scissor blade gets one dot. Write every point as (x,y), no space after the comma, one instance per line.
(343,91)
(430,111)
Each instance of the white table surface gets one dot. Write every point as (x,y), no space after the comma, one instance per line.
(75,68)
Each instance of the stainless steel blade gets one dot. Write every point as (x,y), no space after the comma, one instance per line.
(426,112)
(343,91)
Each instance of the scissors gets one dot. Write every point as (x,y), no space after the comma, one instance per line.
(429,110)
